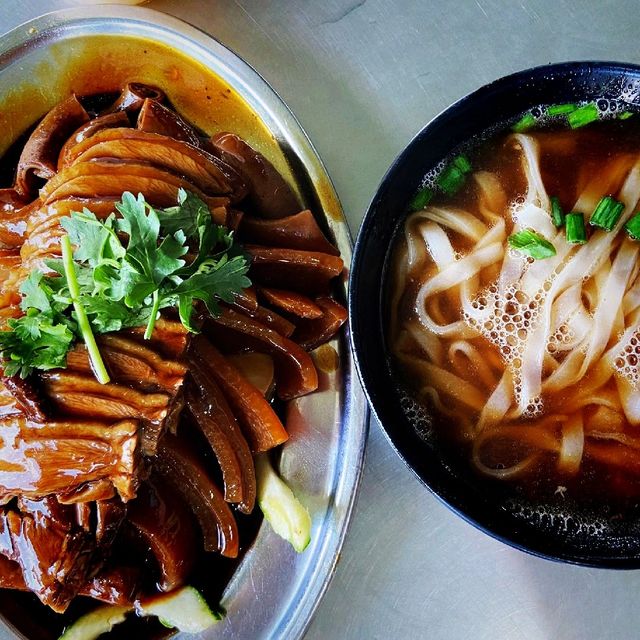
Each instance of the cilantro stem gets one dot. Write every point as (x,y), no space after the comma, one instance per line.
(152,318)
(97,364)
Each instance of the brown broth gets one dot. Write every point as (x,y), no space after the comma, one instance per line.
(567,159)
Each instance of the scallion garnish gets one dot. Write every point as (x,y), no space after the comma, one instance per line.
(561,109)
(576,232)
(462,162)
(625,115)
(451,179)
(531,244)
(607,213)
(557,214)
(632,227)
(421,199)
(525,123)
(583,115)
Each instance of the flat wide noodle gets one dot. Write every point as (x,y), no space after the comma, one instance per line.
(563,325)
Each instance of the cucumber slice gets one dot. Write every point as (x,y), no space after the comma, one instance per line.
(95,623)
(282,510)
(185,609)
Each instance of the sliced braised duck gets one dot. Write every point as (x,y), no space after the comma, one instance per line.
(138,360)
(39,158)
(299,231)
(37,459)
(55,555)
(268,192)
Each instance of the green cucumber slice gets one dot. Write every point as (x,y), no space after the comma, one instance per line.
(282,510)
(95,623)
(185,609)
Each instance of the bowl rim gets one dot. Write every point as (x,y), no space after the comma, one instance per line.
(431,481)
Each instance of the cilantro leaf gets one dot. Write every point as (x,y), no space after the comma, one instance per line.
(34,341)
(214,279)
(120,274)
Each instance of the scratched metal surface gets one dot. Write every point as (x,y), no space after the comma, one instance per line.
(363,77)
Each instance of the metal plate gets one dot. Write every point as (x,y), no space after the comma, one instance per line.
(274,591)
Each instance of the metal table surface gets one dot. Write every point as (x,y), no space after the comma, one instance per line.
(363,76)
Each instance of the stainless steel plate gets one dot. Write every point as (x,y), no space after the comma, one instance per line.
(274,591)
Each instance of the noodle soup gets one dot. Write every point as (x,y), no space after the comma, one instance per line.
(521,336)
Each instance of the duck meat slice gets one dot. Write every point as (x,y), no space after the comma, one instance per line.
(58,456)
(179,157)
(11,200)
(109,177)
(267,317)
(259,422)
(27,397)
(56,556)
(156,118)
(300,231)
(213,416)
(290,302)
(296,374)
(107,121)
(268,192)
(82,395)
(313,332)
(181,467)
(303,271)
(117,585)
(169,338)
(134,95)
(131,363)
(39,156)
(164,522)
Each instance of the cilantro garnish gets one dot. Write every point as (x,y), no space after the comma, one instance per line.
(122,272)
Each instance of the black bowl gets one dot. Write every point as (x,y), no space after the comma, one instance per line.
(594,536)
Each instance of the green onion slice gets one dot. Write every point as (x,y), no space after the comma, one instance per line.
(607,213)
(451,179)
(561,109)
(462,163)
(576,232)
(531,244)
(632,227)
(583,115)
(525,123)
(625,115)
(557,214)
(421,199)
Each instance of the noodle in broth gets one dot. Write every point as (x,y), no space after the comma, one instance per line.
(533,362)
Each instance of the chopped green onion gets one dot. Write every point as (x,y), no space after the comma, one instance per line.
(95,358)
(421,199)
(575,229)
(632,227)
(625,115)
(462,162)
(583,115)
(607,213)
(561,109)
(557,214)
(451,179)
(532,244)
(525,123)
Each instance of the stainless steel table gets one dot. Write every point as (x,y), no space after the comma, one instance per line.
(363,76)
